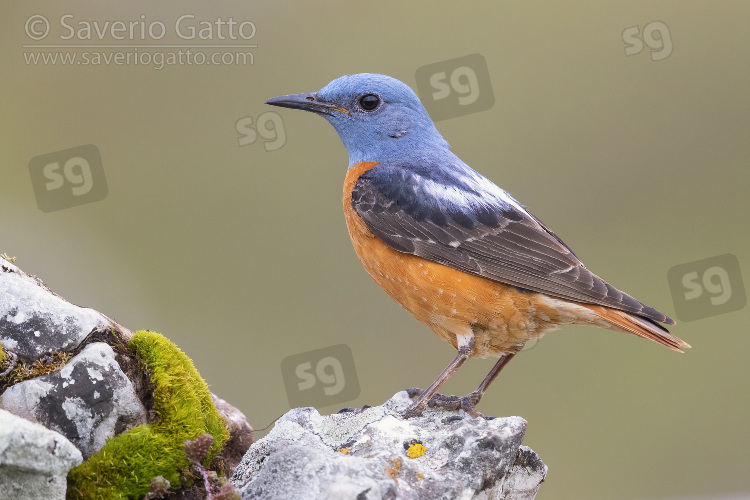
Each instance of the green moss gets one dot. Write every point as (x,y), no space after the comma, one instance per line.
(2,353)
(125,465)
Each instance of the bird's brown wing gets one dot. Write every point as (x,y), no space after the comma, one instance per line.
(499,241)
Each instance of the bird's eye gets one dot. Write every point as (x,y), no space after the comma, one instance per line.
(369,102)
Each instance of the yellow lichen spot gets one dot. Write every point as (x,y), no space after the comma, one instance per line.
(345,451)
(416,450)
(420,476)
(395,469)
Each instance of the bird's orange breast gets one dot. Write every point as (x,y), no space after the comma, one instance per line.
(501,318)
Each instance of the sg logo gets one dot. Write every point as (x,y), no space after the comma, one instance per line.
(463,81)
(661,45)
(321,377)
(274,136)
(707,287)
(455,87)
(68,178)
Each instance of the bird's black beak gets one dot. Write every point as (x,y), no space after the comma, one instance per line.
(307,102)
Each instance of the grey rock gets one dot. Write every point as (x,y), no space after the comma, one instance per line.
(34,321)
(376,454)
(89,400)
(524,477)
(240,434)
(34,461)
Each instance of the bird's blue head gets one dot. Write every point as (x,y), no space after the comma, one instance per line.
(377,117)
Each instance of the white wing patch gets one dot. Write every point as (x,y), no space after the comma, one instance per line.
(484,185)
(483,192)
(450,194)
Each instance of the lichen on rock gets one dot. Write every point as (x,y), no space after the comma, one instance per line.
(88,400)
(34,321)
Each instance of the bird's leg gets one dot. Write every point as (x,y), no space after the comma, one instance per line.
(469,402)
(465,347)
(476,395)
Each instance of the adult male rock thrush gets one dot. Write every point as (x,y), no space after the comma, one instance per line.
(451,247)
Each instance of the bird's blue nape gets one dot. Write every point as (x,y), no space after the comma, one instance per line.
(397,127)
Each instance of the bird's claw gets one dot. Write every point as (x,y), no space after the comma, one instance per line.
(414,392)
(354,410)
(466,403)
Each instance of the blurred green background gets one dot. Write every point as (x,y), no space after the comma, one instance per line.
(241,256)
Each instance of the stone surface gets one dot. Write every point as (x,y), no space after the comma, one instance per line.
(524,477)
(34,461)
(89,400)
(240,434)
(376,454)
(34,321)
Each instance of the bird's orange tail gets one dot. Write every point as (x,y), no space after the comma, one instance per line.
(640,326)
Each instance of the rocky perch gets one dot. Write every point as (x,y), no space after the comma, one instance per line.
(92,410)
(376,454)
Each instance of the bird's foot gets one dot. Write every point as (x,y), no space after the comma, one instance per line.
(354,410)
(466,403)
(411,412)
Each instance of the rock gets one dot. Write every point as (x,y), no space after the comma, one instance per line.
(376,454)
(240,434)
(89,400)
(525,476)
(34,461)
(114,382)
(34,321)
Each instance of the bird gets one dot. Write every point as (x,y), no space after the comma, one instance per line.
(450,246)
